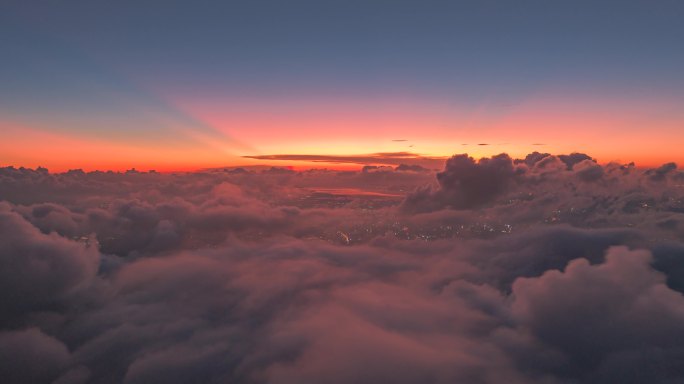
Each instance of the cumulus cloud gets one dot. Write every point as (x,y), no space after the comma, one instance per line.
(546,269)
(30,356)
(38,271)
(466,183)
(606,319)
(659,174)
(574,158)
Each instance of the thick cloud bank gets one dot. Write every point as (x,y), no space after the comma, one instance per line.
(548,269)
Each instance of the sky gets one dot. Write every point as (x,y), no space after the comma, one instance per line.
(172,85)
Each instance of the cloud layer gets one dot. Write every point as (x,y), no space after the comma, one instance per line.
(548,269)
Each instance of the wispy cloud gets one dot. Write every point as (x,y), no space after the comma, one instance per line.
(382,158)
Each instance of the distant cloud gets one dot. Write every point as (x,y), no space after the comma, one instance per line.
(658,174)
(411,168)
(574,158)
(486,144)
(382,158)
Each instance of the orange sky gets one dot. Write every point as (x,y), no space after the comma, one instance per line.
(648,132)
(107,87)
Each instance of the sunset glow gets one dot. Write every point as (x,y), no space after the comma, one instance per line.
(647,132)
(121,101)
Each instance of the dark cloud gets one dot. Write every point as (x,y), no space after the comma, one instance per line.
(547,269)
(606,319)
(574,158)
(659,174)
(30,356)
(38,271)
(588,171)
(532,158)
(466,183)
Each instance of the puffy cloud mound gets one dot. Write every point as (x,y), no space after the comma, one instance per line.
(39,270)
(574,158)
(547,269)
(607,320)
(466,183)
(30,356)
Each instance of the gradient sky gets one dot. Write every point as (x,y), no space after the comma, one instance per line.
(178,85)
